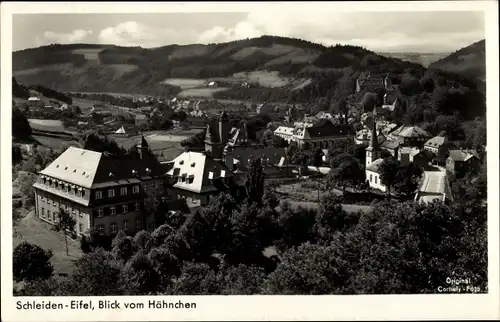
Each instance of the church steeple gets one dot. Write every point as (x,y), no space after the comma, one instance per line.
(374,137)
(143,147)
(373,151)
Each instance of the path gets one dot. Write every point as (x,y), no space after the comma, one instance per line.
(37,232)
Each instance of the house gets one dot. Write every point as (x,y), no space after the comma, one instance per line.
(140,119)
(322,135)
(34,101)
(421,157)
(197,177)
(212,84)
(285,132)
(145,109)
(101,192)
(439,145)
(460,162)
(121,131)
(410,135)
(371,83)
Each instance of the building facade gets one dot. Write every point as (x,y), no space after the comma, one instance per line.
(100,192)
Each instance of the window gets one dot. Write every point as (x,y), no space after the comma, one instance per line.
(111,193)
(376,179)
(125,225)
(135,189)
(99,212)
(83,193)
(123,191)
(160,185)
(112,210)
(125,208)
(49,215)
(100,229)
(43,213)
(137,206)
(98,194)
(113,228)
(80,228)
(138,224)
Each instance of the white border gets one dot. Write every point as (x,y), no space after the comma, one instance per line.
(223,308)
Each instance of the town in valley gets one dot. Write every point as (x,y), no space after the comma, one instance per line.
(268,165)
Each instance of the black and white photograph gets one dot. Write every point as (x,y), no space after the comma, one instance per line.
(248,152)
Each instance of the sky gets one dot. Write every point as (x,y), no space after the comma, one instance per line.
(410,31)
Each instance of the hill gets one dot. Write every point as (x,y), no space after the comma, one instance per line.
(281,62)
(23,92)
(261,69)
(424,59)
(469,61)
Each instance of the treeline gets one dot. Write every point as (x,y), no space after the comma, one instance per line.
(35,58)
(50,93)
(324,251)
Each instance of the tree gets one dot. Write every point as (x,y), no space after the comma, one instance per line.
(388,171)
(96,274)
(67,224)
(31,262)
(143,240)
(331,218)
(17,156)
(21,128)
(196,279)
(349,174)
(296,225)
(241,279)
(85,245)
(255,181)
(26,182)
(139,276)
(407,179)
(123,248)
(308,269)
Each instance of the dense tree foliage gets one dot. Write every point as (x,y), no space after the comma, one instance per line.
(30,262)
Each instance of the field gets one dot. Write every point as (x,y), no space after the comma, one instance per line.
(200,92)
(264,78)
(90,54)
(51,123)
(185,83)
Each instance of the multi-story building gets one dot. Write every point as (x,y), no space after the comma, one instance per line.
(101,192)
(322,135)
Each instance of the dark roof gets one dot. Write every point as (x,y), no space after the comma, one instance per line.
(389,144)
(463,155)
(327,129)
(112,169)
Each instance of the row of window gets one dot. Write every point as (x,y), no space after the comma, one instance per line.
(56,204)
(111,192)
(53,217)
(376,179)
(123,209)
(113,227)
(77,191)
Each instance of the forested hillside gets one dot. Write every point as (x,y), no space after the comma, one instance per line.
(296,71)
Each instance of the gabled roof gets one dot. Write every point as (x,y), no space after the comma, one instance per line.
(411,132)
(436,142)
(75,165)
(375,165)
(198,166)
(327,129)
(390,144)
(463,155)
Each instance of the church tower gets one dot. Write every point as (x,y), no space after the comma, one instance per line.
(224,128)
(143,147)
(373,151)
